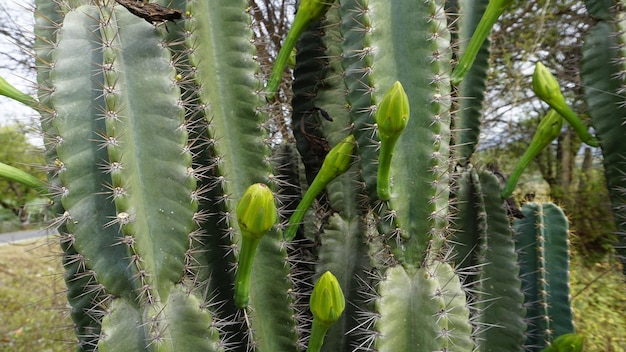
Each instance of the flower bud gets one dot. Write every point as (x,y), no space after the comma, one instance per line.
(327,301)
(545,85)
(338,159)
(256,211)
(313,10)
(393,112)
(566,343)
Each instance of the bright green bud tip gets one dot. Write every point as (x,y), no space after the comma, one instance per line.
(545,85)
(327,301)
(256,211)
(566,343)
(313,10)
(393,112)
(339,158)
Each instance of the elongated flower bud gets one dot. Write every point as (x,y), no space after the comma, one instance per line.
(8,90)
(393,112)
(546,86)
(337,162)
(548,130)
(308,12)
(327,303)
(566,343)
(547,89)
(392,117)
(256,211)
(256,214)
(338,159)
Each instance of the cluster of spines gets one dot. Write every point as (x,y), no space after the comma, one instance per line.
(542,245)
(242,163)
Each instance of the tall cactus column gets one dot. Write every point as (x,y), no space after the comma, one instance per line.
(126,190)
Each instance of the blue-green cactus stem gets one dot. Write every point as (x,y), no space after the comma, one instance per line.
(308,12)
(495,8)
(75,102)
(471,91)
(485,252)
(229,93)
(547,89)
(337,162)
(543,248)
(602,69)
(548,130)
(436,318)
(420,162)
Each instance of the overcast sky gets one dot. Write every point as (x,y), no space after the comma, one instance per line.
(11,111)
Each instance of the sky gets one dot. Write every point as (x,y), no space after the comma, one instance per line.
(12,111)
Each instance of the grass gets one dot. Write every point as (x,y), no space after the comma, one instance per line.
(33,305)
(33,314)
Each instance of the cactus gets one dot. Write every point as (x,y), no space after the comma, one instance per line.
(602,71)
(153,135)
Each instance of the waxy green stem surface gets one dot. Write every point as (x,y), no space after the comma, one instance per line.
(244,270)
(491,15)
(548,130)
(309,11)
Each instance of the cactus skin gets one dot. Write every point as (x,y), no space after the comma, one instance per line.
(485,251)
(602,69)
(162,278)
(543,248)
(468,118)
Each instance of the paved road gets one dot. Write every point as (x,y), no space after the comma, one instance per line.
(10,237)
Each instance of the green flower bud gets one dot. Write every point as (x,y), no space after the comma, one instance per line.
(256,211)
(337,162)
(392,117)
(338,159)
(393,112)
(566,343)
(547,89)
(548,130)
(327,301)
(308,12)
(545,85)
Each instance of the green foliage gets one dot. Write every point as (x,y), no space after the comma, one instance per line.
(16,151)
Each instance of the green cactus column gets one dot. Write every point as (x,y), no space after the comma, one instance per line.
(229,95)
(543,248)
(124,174)
(602,71)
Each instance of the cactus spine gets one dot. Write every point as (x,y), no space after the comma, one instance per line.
(154,138)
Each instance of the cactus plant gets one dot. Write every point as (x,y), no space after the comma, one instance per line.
(153,135)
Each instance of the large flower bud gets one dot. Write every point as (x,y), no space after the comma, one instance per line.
(393,112)
(327,301)
(256,211)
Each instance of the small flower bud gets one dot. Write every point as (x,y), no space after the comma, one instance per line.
(545,85)
(566,343)
(256,211)
(327,301)
(338,159)
(313,10)
(393,112)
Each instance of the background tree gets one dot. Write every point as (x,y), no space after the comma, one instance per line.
(527,34)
